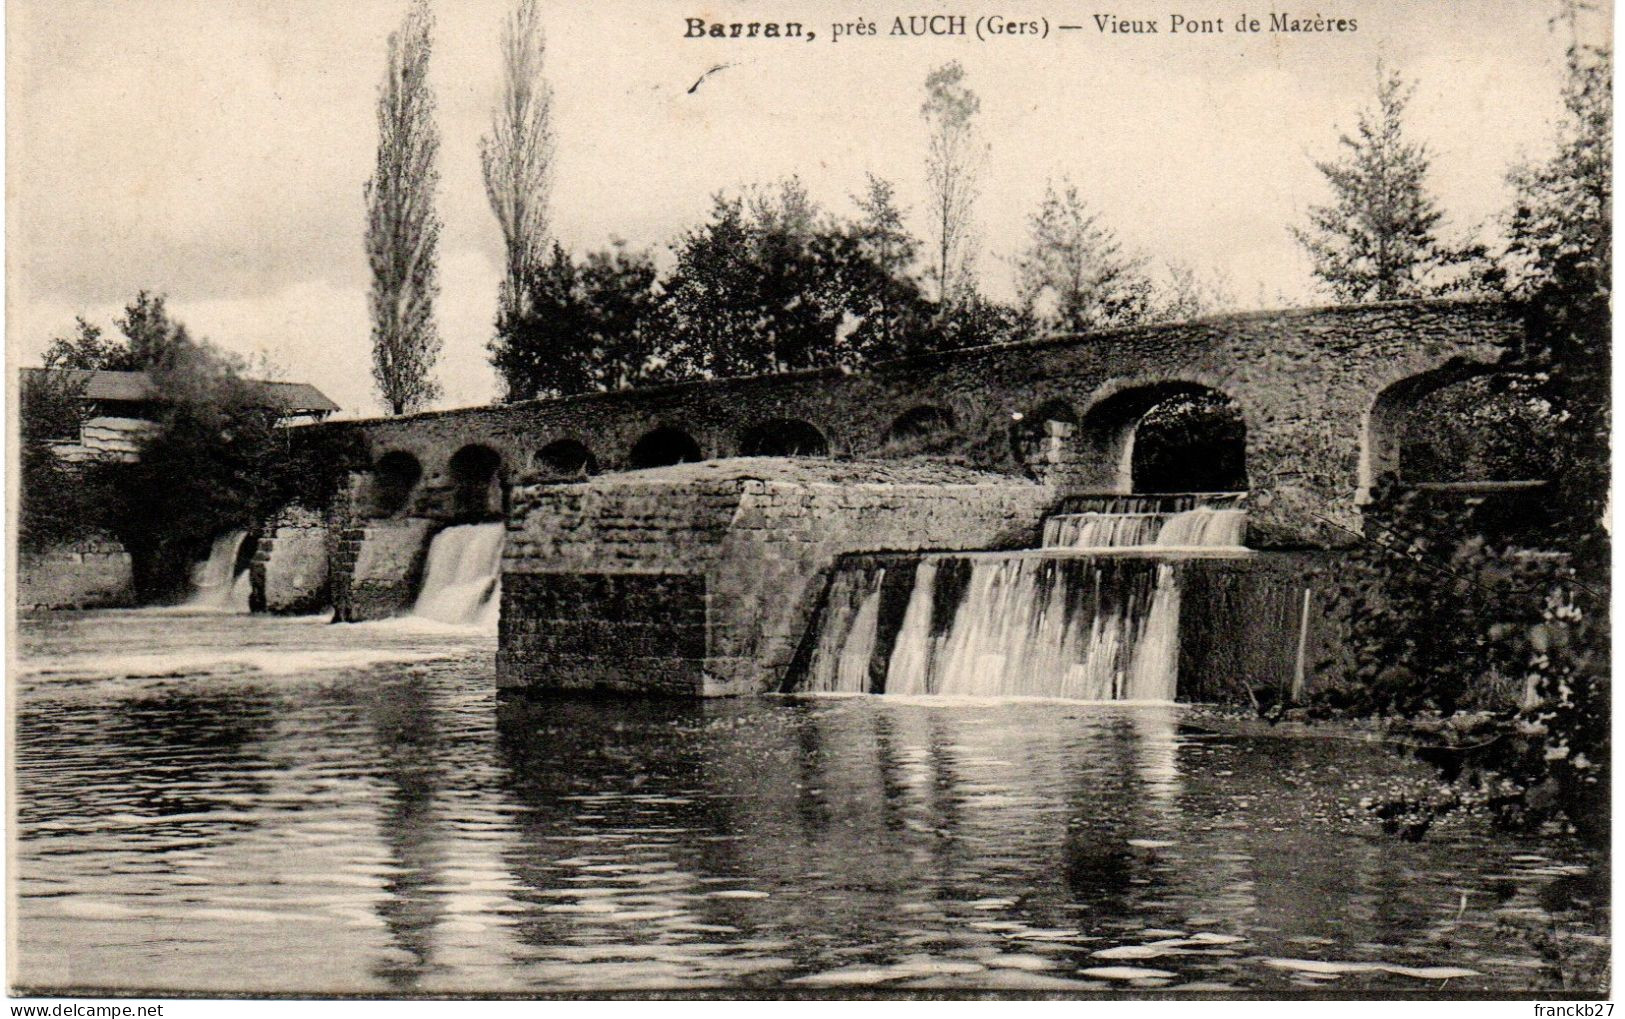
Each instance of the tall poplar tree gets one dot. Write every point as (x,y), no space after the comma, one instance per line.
(1378,240)
(953,164)
(403,231)
(516,158)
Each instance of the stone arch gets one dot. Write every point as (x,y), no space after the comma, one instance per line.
(1383,446)
(663,447)
(394,478)
(479,488)
(783,437)
(1200,448)
(564,459)
(1042,439)
(923,429)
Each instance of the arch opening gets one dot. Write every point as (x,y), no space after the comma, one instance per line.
(1168,437)
(1461,424)
(478,489)
(394,477)
(565,460)
(783,437)
(1492,428)
(664,447)
(923,429)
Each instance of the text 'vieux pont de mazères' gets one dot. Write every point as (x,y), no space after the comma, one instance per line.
(994,27)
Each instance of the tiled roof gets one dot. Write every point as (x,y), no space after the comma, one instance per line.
(138,387)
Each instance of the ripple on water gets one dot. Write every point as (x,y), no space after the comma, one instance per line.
(352,809)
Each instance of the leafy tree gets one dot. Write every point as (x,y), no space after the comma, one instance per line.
(953,164)
(1073,275)
(1559,265)
(758,288)
(891,317)
(1378,240)
(516,159)
(150,341)
(1443,613)
(403,231)
(592,326)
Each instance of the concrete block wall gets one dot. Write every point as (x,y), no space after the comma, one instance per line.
(612,583)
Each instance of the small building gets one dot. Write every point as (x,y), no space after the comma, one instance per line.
(122,408)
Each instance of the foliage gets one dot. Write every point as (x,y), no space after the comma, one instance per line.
(953,164)
(1378,240)
(516,159)
(215,460)
(771,283)
(403,231)
(1074,275)
(55,506)
(1559,266)
(882,299)
(1495,655)
(1492,428)
(591,326)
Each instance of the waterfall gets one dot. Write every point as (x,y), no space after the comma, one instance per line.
(1022,624)
(1040,623)
(1204,527)
(1030,625)
(1201,527)
(846,643)
(463,578)
(216,583)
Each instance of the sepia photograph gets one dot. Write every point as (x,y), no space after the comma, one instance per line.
(808,499)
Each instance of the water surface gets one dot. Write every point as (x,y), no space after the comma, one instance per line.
(234,804)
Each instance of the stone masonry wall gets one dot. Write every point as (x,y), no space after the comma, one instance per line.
(290,567)
(94,573)
(376,572)
(613,583)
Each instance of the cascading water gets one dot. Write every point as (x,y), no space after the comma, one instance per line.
(1203,527)
(1045,622)
(217,584)
(462,582)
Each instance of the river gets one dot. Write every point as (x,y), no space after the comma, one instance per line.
(221,803)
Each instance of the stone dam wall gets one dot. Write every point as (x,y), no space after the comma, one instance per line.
(702,579)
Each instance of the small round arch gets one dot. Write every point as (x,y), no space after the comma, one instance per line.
(783,437)
(663,447)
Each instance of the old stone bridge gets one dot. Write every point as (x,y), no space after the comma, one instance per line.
(1322,394)
(703,577)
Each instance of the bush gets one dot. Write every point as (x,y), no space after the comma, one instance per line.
(1494,658)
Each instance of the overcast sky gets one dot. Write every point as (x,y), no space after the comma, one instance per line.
(215,150)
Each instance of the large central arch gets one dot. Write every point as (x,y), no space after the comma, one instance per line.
(1166,436)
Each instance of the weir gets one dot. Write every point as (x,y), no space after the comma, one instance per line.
(462,582)
(1094,615)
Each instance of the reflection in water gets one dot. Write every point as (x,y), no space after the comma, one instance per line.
(381,821)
